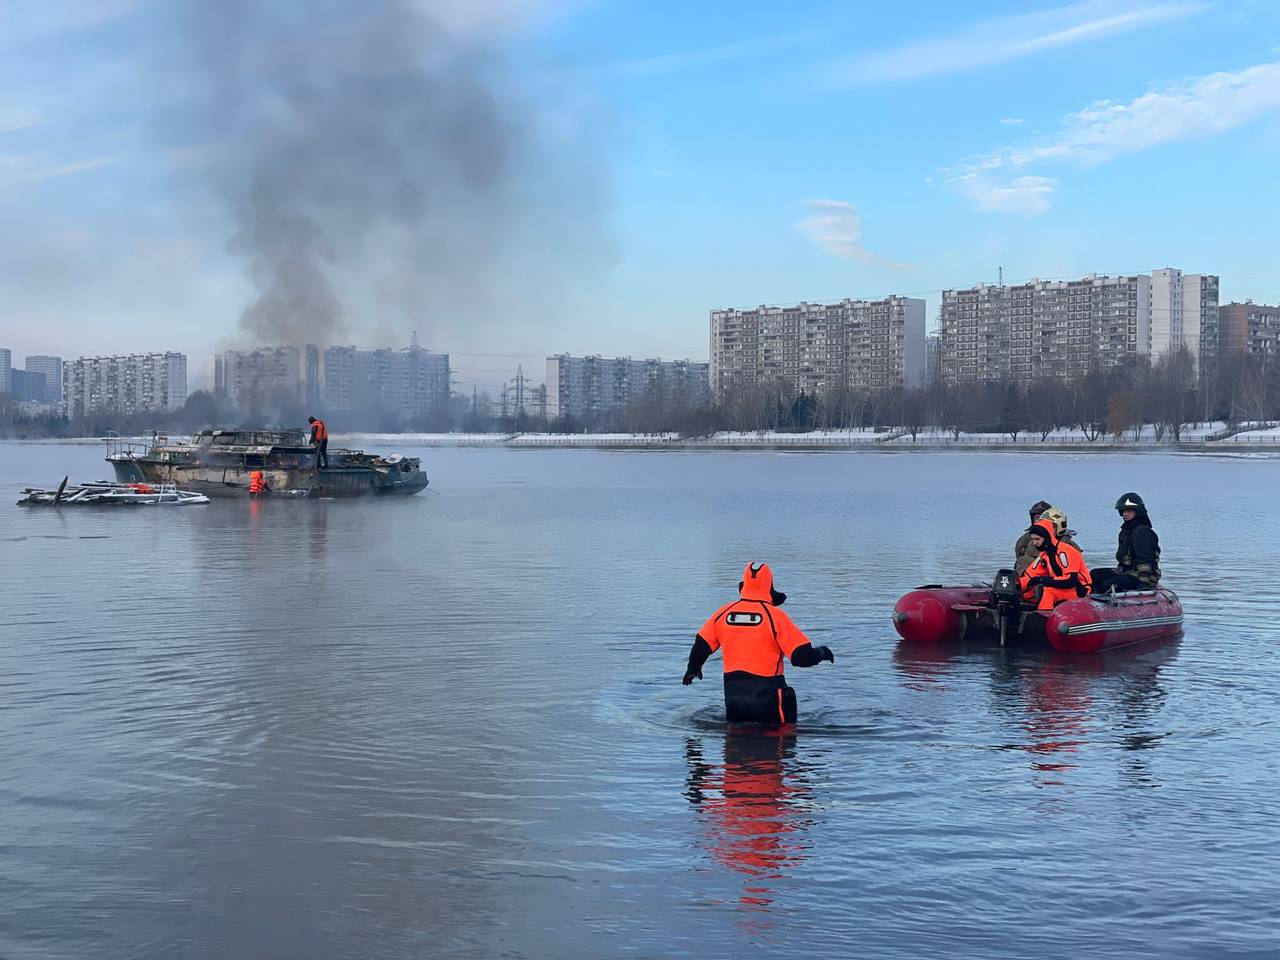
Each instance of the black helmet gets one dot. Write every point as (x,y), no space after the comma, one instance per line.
(1131,501)
(1039,507)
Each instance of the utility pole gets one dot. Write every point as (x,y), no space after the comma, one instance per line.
(519,382)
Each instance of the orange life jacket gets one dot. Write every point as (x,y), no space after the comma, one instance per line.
(319,431)
(755,636)
(1070,579)
(257,482)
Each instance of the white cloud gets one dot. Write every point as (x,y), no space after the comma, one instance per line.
(1011,121)
(1193,109)
(1029,196)
(834,225)
(1006,38)
(18,169)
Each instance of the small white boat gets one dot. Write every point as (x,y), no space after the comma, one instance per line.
(106,493)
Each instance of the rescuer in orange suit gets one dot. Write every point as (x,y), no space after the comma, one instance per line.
(756,637)
(257,483)
(320,437)
(1059,573)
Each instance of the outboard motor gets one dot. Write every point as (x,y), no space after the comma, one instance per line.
(1006,600)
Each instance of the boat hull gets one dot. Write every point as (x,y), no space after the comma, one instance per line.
(233,481)
(941,614)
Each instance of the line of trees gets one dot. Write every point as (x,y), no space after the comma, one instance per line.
(1167,395)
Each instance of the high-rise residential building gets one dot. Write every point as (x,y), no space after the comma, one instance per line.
(124,384)
(1043,328)
(594,387)
(812,347)
(27,386)
(6,363)
(1184,313)
(51,368)
(1252,328)
(412,382)
(256,379)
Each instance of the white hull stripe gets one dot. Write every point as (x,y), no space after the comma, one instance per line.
(1108,625)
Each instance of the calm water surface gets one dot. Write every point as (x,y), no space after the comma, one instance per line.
(453,725)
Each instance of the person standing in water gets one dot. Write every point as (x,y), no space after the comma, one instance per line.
(755,637)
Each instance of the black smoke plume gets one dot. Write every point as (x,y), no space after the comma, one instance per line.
(384,165)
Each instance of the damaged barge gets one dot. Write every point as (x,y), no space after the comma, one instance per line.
(219,463)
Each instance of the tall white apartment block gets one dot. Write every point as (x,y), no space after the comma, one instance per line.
(124,384)
(595,386)
(1184,313)
(411,382)
(6,363)
(814,347)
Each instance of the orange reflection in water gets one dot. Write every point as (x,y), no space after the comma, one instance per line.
(752,809)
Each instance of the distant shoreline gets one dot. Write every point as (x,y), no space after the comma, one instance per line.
(856,442)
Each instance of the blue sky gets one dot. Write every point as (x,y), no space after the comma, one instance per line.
(740,153)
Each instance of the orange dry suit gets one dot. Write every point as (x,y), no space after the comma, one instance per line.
(755,637)
(319,431)
(257,482)
(1059,573)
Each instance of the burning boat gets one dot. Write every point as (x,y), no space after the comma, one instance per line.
(220,463)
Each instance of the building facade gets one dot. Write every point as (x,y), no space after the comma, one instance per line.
(1184,313)
(594,387)
(412,382)
(256,379)
(124,384)
(813,347)
(997,333)
(51,369)
(1252,328)
(26,386)
(6,366)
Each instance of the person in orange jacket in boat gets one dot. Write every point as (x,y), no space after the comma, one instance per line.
(1057,574)
(320,440)
(755,637)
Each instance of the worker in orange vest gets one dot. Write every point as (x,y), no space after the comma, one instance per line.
(320,437)
(756,637)
(257,483)
(1059,573)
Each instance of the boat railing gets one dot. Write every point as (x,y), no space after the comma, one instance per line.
(134,448)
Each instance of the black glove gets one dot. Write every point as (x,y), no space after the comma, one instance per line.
(826,654)
(1037,581)
(690,675)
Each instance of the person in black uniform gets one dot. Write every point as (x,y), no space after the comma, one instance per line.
(1137,554)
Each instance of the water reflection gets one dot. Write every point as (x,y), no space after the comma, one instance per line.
(1061,704)
(753,809)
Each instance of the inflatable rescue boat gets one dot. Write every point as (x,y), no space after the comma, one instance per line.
(994,613)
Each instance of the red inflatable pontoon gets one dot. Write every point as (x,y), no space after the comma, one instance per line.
(937,614)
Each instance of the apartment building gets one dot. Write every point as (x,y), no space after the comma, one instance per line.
(124,384)
(6,366)
(1043,328)
(1184,313)
(412,382)
(595,387)
(51,369)
(812,347)
(1252,328)
(255,379)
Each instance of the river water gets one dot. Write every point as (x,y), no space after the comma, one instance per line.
(452,725)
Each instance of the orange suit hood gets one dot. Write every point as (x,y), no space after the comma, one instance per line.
(1045,529)
(757,584)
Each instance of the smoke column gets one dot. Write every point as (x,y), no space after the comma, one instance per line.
(383,164)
